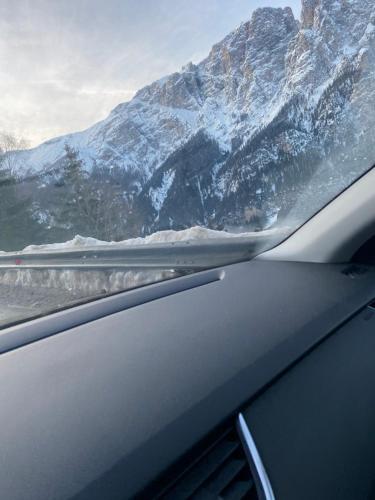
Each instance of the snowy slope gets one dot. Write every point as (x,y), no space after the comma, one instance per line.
(227,94)
(274,102)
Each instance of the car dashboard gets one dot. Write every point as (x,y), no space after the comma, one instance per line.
(123,403)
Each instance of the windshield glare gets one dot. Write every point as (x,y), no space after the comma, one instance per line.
(139,143)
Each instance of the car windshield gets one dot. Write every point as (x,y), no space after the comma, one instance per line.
(142,141)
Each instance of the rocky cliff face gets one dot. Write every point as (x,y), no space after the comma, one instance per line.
(233,140)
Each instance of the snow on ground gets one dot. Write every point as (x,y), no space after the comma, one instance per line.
(159,194)
(196,233)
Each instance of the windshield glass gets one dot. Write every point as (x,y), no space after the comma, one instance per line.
(140,141)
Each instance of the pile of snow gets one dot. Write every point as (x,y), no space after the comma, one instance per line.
(83,284)
(196,233)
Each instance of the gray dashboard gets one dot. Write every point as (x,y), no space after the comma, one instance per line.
(315,427)
(100,409)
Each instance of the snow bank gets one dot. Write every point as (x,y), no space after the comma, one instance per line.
(197,233)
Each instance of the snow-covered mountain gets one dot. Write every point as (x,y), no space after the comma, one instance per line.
(233,138)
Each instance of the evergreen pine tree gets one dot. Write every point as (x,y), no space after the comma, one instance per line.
(89,203)
(69,210)
(18,225)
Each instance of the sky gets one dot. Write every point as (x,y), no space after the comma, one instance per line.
(65,64)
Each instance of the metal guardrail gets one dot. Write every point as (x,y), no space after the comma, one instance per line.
(182,255)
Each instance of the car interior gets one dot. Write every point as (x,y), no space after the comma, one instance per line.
(187,250)
(250,380)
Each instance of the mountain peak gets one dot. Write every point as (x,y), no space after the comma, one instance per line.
(254,102)
(269,26)
(264,15)
(338,13)
(308,13)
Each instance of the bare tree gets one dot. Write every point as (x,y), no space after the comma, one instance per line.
(10,145)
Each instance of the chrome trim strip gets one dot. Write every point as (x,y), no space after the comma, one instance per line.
(254,454)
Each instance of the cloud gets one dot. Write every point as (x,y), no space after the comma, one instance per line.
(65,65)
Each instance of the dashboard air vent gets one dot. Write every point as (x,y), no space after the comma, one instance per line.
(221,471)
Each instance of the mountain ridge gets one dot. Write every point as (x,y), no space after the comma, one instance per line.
(174,96)
(233,139)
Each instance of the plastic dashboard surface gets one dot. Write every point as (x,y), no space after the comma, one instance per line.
(315,427)
(99,409)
